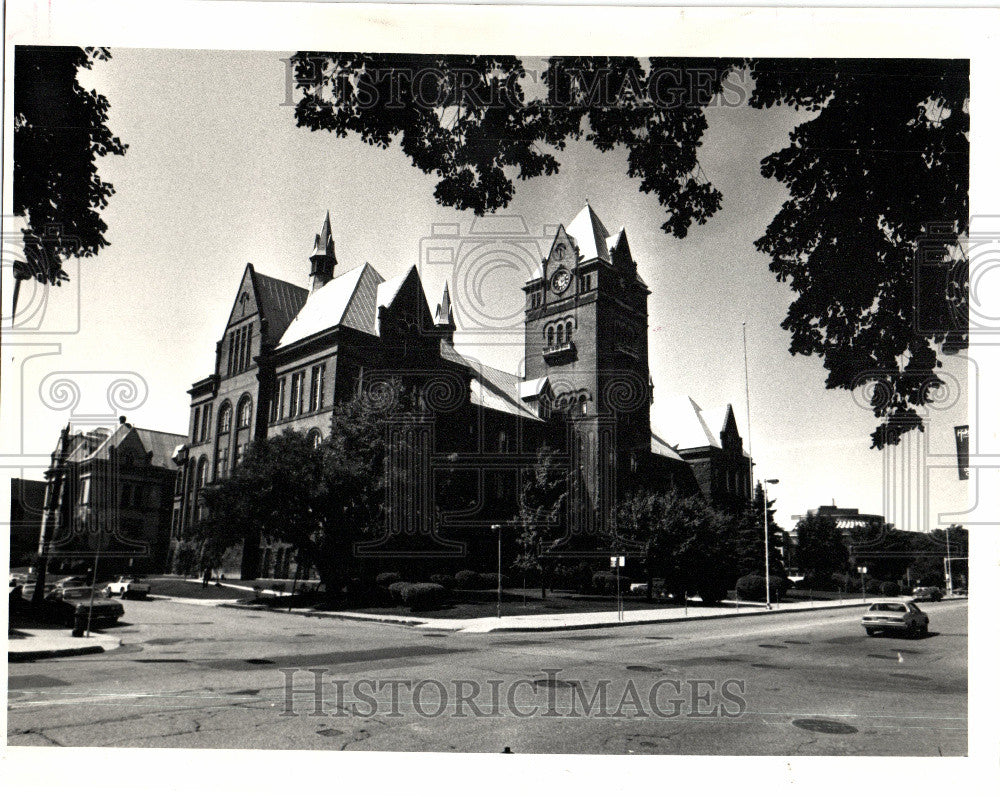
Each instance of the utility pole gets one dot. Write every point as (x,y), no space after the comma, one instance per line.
(498,528)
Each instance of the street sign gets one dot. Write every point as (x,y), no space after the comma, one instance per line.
(962,450)
(618,561)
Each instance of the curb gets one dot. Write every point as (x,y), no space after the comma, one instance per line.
(32,655)
(661,620)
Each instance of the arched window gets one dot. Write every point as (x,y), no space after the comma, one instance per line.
(202,472)
(244,413)
(315,438)
(225,418)
(569,331)
(559,334)
(550,336)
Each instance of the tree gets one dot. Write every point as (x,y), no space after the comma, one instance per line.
(321,499)
(681,540)
(821,551)
(540,506)
(749,541)
(60,129)
(880,167)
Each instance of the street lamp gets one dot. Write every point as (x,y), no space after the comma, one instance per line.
(498,528)
(767,548)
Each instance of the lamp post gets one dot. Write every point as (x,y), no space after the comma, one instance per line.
(498,528)
(767,548)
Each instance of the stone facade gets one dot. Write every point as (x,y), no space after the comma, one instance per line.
(109,494)
(288,355)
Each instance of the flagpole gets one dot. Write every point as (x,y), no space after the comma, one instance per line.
(746,382)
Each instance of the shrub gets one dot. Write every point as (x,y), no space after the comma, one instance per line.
(712,591)
(467,579)
(383,580)
(606,583)
(396,590)
(750,588)
(424,596)
(890,589)
(445,581)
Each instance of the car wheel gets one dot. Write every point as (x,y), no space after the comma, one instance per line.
(871,631)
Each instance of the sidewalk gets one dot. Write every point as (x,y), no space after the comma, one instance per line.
(46,643)
(581,620)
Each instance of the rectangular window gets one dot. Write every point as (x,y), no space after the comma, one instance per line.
(316,398)
(279,399)
(206,422)
(297,393)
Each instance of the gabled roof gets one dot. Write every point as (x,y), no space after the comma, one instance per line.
(348,299)
(490,387)
(590,234)
(681,424)
(279,302)
(684,425)
(160,444)
(533,387)
(660,446)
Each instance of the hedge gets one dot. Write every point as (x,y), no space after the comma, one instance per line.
(606,583)
(383,580)
(890,589)
(424,595)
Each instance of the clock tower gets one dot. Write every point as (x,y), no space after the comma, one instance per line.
(586,353)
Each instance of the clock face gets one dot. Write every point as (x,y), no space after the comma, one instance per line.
(560,280)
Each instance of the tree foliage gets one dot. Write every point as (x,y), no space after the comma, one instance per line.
(821,551)
(681,540)
(320,499)
(60,131)
(540,508)
(749,541)
(881,165)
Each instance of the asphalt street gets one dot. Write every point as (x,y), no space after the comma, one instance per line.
(214,677)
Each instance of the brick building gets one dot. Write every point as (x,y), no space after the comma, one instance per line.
(108,497)
(287,355)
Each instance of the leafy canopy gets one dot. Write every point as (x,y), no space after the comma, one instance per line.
(60,131)
(881,165)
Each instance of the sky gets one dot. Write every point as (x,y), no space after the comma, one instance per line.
(217,175)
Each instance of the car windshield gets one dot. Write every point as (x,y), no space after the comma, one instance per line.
(887,607)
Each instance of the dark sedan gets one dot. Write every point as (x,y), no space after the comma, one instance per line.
(65,604)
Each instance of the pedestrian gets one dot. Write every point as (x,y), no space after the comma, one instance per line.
(206,578)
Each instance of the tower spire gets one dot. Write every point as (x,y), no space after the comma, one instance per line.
(323,258)
(444,319)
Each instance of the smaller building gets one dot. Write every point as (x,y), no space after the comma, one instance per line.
(108,500)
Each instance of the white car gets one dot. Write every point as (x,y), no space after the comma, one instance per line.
(127,587)
(904,616)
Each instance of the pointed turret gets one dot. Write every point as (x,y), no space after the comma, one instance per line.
(590,234)
(323,259)
(444,319)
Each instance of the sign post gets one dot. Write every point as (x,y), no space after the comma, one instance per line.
(618,562)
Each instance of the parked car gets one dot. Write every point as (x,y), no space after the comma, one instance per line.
(64,604)
(898,616)
(928,593)
(127,587)
(639,588)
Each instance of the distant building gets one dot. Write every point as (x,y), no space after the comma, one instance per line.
(851,522)
(288,354)
(27,498)
(109,495)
